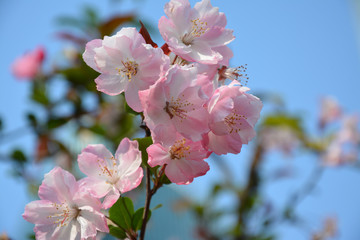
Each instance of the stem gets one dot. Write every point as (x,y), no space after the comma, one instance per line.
(246,197)
(147,205)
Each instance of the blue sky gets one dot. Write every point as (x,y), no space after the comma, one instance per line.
(302,50)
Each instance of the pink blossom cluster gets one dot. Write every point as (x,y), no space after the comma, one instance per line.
(181,92)
(70,209)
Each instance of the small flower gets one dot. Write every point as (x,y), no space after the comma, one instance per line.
(65,210)
(176,100)
(233,114)
(29,65)
(330,111)
(108,175)
(126,63)
(184,159)
(196,34)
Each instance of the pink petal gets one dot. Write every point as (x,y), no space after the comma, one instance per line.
(58,186)
(111,84)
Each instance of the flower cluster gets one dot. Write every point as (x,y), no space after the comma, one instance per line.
(181,92)
(71,209)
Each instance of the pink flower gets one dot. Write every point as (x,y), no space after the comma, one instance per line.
(108,175)
(29,65)
(182,157)
(330,111)
(65,211)
(233,114)
(196,34)
(176,100)
(344,147)
(126,63)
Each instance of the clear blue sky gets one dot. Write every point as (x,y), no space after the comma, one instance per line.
(300,49)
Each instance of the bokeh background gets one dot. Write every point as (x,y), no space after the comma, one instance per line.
(299,50)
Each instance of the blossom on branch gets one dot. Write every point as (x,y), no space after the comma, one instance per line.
(111,176)
(126,63)
(184,159)
(177,101)
(233,114)
(196,34)
(65,210)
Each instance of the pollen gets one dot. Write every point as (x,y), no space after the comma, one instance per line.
(239,74)
(178,107)
(64,215)
(106,170)
(128,69)
(234,122)
(179,150)
(198,28)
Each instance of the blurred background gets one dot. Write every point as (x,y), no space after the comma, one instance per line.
(299,55)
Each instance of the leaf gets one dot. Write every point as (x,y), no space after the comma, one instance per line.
(108,27)
(18,156)
(39,93)
(117,232)
(56,122)
(157,207)
(144,143)
(121,213)
(137,218)
(144,32)
(32,119)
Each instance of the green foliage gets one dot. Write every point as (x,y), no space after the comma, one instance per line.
(121,213)
(18,156)
(117,232)
(137,219)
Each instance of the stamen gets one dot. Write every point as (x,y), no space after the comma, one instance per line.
(238,74)
(129,69)
(178,150)
(233,122)
(64,215)
(177,108)
(198,28)
(108,171)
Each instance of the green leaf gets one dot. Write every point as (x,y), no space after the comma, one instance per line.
(117,232)
(56,122)
(144,143)
(137,218)
(18,156)
(157,206)
(122,212)
(32,119)
(39,94)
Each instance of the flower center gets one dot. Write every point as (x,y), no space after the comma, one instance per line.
(129,69)
(233,121)
(198,28)
(64,214)
(108,171)
(238,74)
(177,107)
(178,150)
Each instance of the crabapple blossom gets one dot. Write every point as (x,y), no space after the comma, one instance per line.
(196,34)
(28,65)
(126,63)
(183,158)
(233,114)
(176,100)
(65,211)
(344,147)
(330,111)
(111,176)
